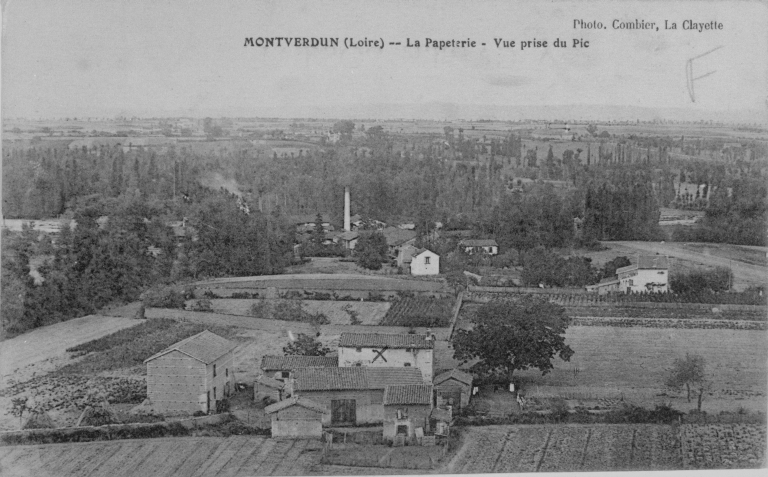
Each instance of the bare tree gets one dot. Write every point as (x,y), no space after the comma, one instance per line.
(690,373)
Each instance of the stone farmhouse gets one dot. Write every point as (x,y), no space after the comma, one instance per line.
(192,375)
(388,350)
(354,395)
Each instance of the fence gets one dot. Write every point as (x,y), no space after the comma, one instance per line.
(191,423)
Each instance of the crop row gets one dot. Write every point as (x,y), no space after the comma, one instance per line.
(718,446)
(668,323)
(587,299)
(419,311)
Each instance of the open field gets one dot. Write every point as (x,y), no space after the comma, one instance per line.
(748,263)
(369,313)
(633,361)
(339,282)
(42,349)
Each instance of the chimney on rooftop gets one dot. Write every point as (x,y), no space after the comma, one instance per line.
(347,220)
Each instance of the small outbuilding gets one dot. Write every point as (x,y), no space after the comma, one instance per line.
(297,418)
(453,388)
(194,374)
(406,408)
(279,367)
(268,387)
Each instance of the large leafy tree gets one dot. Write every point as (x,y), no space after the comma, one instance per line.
(509,336)
(371,250)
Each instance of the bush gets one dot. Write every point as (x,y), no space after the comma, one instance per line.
(166,297)
(698,281)
(559,409)
(202,305)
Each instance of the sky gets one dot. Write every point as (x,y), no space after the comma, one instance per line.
(106,58)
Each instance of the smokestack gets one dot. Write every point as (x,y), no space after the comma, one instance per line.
(347,224)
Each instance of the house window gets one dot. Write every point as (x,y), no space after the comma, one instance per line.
(359,350)
(631,283)
(408,350)
(285,374)
(214,393)
(226,372)
(214,371)
(358,364)
(426,260)
(407,365)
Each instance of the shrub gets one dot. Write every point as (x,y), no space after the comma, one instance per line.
(559,409)
(166,297)
(202,305)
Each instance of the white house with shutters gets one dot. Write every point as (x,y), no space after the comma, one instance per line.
(425,262)
(388,350)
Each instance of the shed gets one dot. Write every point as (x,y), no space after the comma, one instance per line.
(406,407)
(297,417)
(279,367)
(268,387)
(453,388)
(194,374)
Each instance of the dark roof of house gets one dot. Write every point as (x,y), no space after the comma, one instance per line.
(647,262)
(292,362)
(204,346)
(353,378)
(380,340)
(271,382)
(309,218)
(396,236)
(408,394)
(295,401)
(349,235)
(456,374)
(478,243)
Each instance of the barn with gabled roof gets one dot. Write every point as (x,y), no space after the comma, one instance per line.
(194,374)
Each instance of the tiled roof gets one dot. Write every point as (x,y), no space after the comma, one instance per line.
(295,401)
(408,394)
(479,243)
(647,262)
(292,362)
(396,236)
(271,382)
(349,235)
(380,340)
(352,378)
(204,346)
(456,374)
(379,378)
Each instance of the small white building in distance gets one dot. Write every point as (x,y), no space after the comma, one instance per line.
(388,351)
(425,262)
(472,246)
(650,274)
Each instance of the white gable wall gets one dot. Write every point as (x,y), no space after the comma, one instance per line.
(426,263)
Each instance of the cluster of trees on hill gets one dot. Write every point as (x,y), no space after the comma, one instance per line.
(106,258)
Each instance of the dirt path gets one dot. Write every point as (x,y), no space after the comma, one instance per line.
(744,274)
(42,349)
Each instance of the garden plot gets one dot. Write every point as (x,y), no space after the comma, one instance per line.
(190,456)
(723,446)
(568,448)
(338,312)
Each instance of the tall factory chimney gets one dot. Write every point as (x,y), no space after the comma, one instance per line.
(347,220)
